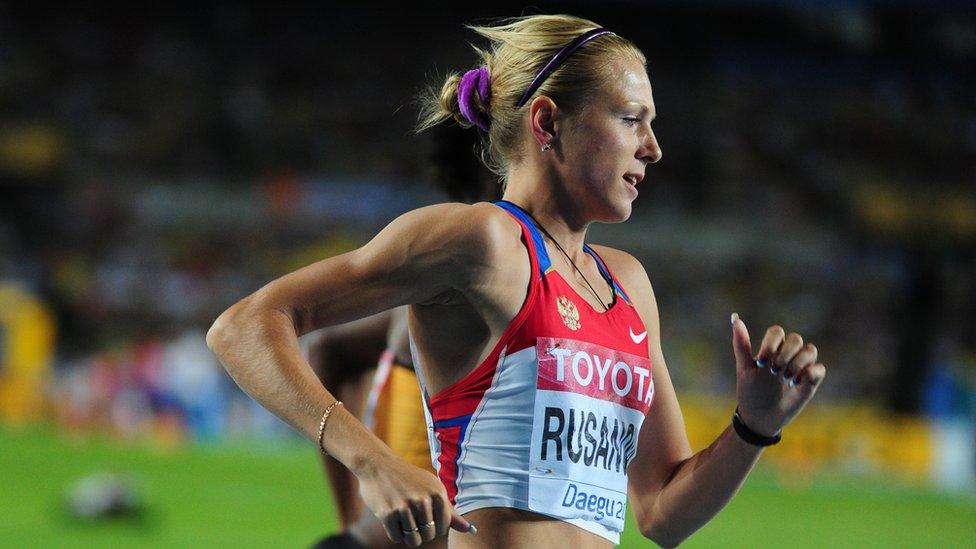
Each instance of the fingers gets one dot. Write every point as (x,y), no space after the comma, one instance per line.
(770,346)
(811,376)
(790,347)
(423,515)
(423,519)
(442,515)
(779,349)
(788,356)
(806,356)
(391,523)
(408,527)
(741,345)
(461,524)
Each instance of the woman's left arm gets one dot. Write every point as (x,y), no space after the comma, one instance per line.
(674,491)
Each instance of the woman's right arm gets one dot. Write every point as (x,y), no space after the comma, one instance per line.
(424,255)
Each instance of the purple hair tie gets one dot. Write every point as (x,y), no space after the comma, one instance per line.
(475,77)
(557,60)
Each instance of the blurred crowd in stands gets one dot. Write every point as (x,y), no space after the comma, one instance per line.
(819,171)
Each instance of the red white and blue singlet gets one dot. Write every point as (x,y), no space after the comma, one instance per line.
(549,420)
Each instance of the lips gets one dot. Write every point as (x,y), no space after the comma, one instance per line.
(632,184)
(633,178)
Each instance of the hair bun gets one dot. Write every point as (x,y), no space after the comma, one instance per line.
(474,93)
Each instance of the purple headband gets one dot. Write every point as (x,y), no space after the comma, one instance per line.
(557,60)
(475,77)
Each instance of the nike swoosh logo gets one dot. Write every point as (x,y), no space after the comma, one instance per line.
(637,338)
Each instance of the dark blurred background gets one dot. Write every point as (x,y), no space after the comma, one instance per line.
(159,163)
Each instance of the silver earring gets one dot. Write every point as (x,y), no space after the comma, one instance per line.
(547,146)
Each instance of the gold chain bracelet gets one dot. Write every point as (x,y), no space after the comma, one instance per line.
(325,416)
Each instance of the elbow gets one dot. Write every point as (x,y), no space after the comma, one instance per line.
(226,331)
(220,335)
(657,532)
(217,333)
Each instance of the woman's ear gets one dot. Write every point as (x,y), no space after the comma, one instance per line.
(543,113)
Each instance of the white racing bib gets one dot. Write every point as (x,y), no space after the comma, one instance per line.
(590,403)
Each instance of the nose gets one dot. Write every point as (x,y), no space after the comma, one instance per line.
(650,150)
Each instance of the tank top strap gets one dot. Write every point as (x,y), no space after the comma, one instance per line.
(605,271)
(523,218)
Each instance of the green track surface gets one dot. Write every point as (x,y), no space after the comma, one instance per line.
(232,495)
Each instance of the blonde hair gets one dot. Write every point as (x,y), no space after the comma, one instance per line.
(520,47)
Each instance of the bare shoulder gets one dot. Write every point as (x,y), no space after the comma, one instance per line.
(487,223)
(626,268)
(456,246)
(483,236)
(474,228)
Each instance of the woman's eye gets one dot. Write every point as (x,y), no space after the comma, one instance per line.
(631,121)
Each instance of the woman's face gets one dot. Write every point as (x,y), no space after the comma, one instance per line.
(610,144)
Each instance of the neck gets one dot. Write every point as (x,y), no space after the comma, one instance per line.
(545,198)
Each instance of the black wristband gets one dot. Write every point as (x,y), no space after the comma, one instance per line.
(750,436)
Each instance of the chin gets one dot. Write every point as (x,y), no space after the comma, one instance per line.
(618,211)
(625,215)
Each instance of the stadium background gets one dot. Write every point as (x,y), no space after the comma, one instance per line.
(157,164)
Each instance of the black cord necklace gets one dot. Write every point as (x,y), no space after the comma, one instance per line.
(571,262)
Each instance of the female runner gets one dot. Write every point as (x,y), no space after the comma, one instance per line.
(547,392)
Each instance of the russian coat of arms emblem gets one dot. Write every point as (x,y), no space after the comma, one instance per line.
(568,312)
